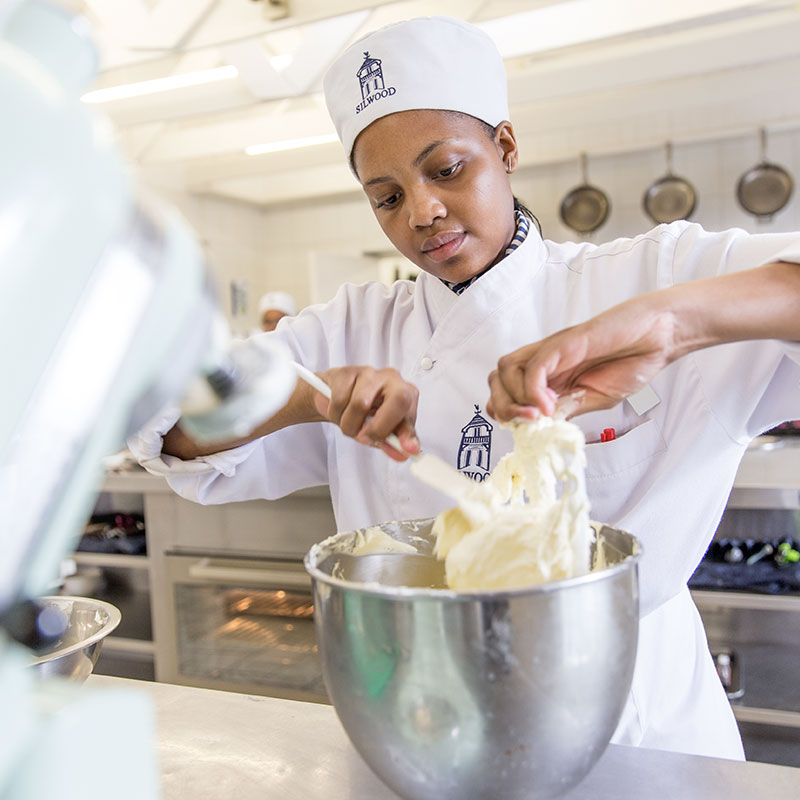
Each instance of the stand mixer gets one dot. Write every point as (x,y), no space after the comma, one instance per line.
(107,313)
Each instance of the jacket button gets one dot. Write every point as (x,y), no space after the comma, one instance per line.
(426,363)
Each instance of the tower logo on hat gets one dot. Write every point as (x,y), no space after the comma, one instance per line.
(370,78)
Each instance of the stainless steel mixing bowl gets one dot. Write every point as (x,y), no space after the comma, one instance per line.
(501,694)
(88,622)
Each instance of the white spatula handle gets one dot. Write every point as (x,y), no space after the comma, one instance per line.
(312,379)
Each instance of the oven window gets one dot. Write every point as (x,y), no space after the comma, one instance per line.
(249,636)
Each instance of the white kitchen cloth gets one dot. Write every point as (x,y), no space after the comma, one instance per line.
(146,444)
(428,62)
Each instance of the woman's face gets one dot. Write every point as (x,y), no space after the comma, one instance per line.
(438,184)
(271,318)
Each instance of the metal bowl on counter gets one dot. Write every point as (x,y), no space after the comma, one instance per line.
(506,694)
(86,623)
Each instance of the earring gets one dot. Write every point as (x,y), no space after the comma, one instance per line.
(508,165)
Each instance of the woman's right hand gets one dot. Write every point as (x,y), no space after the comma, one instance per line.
(368,404)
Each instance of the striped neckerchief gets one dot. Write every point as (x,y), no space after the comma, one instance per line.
(523,225)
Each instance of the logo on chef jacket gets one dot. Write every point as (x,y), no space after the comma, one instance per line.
(370,78)
(476,447)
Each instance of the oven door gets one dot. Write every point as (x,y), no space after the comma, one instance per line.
(243,625)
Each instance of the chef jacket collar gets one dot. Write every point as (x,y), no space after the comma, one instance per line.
(523,224)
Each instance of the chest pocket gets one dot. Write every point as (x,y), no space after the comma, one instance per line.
(614,468)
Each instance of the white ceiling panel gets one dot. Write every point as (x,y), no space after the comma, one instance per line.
(288,186)
(160,25)
(589,75)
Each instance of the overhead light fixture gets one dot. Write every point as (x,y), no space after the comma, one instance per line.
(290,144)
(575,22)
(280,63)
(161,84)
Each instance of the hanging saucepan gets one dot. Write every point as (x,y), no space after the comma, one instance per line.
(585,208)
(670,197)
(765,188)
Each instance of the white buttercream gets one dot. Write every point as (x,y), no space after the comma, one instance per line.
(376,540)
(529,522)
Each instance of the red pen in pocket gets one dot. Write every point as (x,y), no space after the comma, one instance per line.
(608,435)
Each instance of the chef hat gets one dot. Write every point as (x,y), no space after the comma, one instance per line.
(278,301)
(428,62)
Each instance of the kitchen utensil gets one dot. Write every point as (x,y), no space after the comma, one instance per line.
(312,379)
(585,208)
(74,655)
(730,673)
(427,467)
(435,472)
(765,188)
(670,197)
(506,694)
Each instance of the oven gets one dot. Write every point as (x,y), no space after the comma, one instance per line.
(241,624)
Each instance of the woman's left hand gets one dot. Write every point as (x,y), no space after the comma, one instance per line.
(595,364)
(600,362)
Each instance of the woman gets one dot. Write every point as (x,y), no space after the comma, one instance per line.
(422,112)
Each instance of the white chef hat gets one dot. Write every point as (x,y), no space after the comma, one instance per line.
(428,62)
(278,301)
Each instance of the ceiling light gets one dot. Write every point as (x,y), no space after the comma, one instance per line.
(161,84)
(574,22)
(290,144)
(280,63)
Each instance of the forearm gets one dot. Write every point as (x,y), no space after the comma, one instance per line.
(299,409)
(614,354)
(761,303)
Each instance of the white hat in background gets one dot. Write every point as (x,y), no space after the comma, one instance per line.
(428,62)
(278,301)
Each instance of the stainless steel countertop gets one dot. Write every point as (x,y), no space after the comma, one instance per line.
(137,479)
(215,744)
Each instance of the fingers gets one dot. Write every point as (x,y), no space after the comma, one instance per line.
(501,404)
(583,401)
(408,441)
(369,404)
(519,390)
(395,411)
(570,405)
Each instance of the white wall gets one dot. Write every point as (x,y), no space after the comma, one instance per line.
(270,248)
(713,168)
(230,233)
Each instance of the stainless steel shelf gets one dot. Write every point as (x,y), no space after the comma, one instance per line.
(124,644)
(770,465)
(110,560)
(757,602)
(135,482)
(769,678)
(767,716)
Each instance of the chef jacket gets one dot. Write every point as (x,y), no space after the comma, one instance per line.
(665,477)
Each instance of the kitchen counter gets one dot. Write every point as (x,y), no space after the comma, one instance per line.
(137,479)
(215,744)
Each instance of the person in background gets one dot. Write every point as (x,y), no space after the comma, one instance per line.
(682,341)
(272,307)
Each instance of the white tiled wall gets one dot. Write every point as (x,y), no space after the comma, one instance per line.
(269,248)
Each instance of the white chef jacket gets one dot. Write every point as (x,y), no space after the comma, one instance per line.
(665,478)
